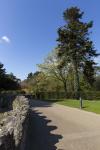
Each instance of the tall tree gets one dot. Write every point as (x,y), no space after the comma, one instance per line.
(76,47)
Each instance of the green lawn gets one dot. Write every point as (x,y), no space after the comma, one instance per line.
(93,106)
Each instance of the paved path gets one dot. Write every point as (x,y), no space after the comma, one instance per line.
(57,127)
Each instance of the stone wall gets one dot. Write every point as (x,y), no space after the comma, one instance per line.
(14,127)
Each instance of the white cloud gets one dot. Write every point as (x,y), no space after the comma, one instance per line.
(4,39)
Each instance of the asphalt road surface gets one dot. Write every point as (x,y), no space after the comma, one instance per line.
(57,127)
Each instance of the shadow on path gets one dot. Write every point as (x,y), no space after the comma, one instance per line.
(39,134)
(38,103)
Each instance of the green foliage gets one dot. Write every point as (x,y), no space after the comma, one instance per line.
(30,75)
(75,46)
(91,95)
(8,81)
(97,83)
(41,83)
(69,70)
(51,67)
(88,72)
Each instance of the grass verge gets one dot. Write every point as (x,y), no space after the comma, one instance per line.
(92,106)
(88,105)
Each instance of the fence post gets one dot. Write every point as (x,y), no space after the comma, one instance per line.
(81,103)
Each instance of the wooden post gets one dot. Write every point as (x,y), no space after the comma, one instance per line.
(81,103)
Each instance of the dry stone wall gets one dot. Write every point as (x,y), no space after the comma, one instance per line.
(14,127)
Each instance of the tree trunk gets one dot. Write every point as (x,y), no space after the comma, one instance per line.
(76,80)
(65,89)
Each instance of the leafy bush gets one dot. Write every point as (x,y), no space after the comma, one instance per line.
(87,95)
(91,95)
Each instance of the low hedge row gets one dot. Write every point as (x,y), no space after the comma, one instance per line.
(88,95)
(91,95)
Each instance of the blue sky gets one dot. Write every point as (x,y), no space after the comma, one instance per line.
(28,30)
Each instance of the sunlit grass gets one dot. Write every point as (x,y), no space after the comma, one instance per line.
(93,106)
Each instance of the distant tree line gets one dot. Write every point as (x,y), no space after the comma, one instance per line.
(8,81)
(49,82)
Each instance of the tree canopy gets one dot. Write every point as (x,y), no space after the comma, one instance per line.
(76,47)
(8,81)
